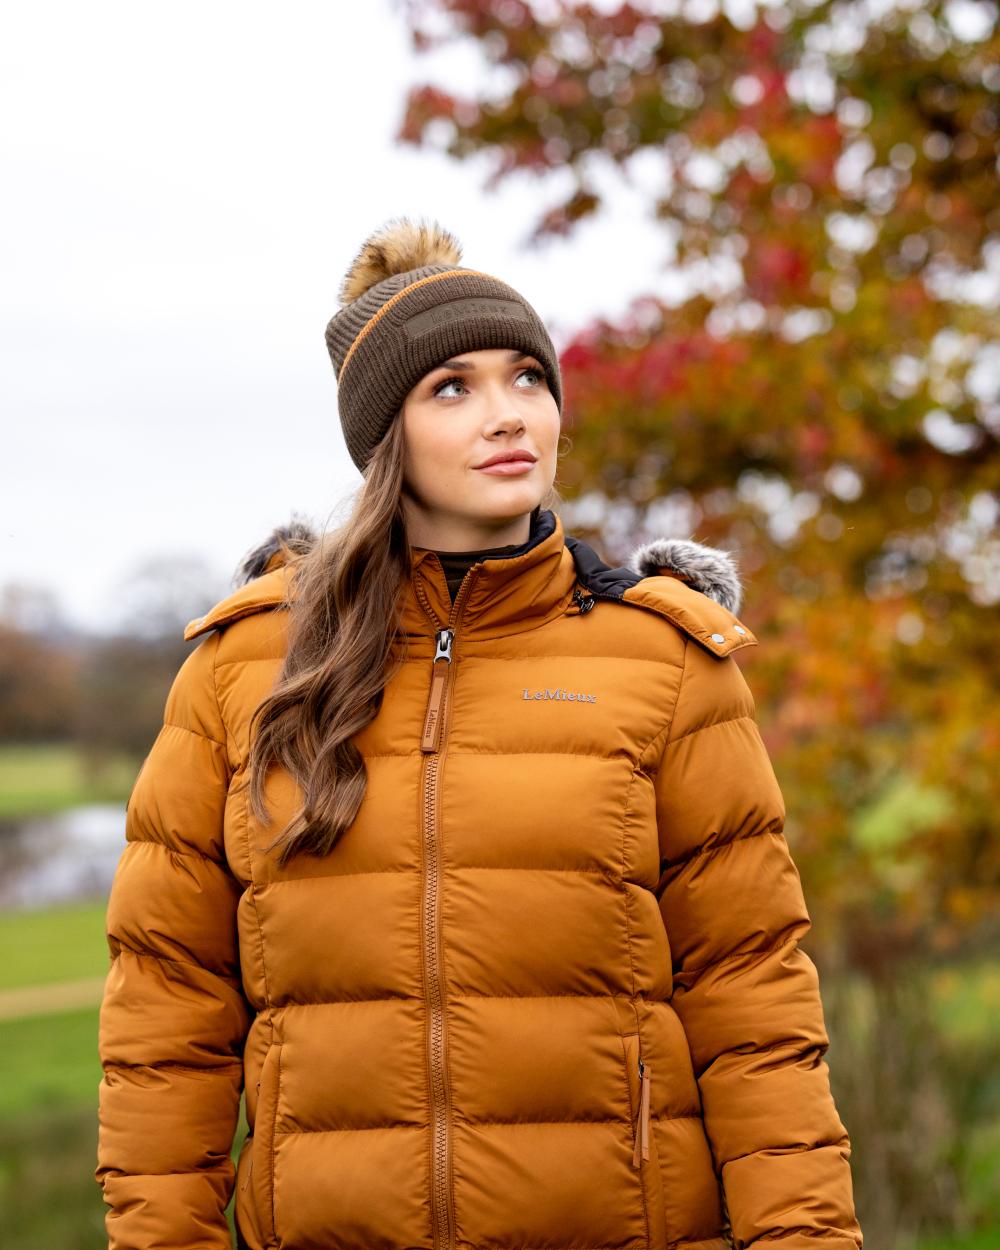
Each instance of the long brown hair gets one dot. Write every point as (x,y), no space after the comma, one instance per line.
(340,656)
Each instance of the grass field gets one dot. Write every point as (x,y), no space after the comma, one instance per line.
(49,1064)
(43,778)
(55,944)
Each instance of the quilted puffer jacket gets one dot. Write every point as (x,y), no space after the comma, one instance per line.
(545,992)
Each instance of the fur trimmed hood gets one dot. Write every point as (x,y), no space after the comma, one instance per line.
(711,570)
(295,538)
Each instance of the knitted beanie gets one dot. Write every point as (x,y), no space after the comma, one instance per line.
(407,306)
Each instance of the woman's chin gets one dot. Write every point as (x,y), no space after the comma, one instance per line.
(508,497)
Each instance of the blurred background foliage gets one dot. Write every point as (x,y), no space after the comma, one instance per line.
(820,395)
(812,381)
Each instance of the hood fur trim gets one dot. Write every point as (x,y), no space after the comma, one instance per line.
(286,541)
(711,570)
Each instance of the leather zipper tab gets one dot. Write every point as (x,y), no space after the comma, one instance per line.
(439,679)
(642,1127)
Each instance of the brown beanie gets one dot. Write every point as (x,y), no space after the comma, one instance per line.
(407,307)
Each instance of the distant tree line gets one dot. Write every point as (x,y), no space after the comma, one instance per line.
(104,692)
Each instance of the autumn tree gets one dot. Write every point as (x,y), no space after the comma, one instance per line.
(826,404)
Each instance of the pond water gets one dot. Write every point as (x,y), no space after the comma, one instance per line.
(65,857)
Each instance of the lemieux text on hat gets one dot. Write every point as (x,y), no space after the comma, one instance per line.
(574,696)
(462,310)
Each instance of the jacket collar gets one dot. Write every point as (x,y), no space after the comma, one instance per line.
(503,594)
(695,586)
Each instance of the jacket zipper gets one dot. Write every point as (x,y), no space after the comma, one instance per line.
(642,1125)
(431,743)
(585,599)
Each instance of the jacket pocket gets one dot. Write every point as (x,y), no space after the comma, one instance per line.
(644,1153)
(260,1175)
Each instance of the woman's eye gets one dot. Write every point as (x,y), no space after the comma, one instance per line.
(447,382)
(539,375)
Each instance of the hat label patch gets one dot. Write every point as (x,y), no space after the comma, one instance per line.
(463,310)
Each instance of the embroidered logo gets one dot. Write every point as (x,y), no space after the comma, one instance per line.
(572,695)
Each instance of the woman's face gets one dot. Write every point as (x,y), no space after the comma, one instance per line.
(461,414)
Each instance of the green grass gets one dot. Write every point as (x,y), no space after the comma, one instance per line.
(40,778)
(61,943)
(47,1189)
(983,1170)
(49,1064)
(985,1239)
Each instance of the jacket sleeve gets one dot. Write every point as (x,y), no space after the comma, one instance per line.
(747,995)
(173,1019)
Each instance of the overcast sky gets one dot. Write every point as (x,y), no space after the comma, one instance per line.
(185,186)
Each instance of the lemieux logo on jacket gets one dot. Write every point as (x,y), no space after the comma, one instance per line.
(572,695)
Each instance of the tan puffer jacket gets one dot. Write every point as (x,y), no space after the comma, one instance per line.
(545,992)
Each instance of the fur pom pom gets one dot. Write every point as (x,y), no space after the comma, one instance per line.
(397,247)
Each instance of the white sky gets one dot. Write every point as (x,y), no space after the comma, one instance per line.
(185,185)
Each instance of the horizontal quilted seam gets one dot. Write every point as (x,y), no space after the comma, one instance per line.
(793,1044)
(727,720)
(825,1236)
(745,954)
(117,1173)
(174,1064)
(235,982)
(813,1234)
(700,1244)
(467,1123)
(701,851)
(189,852)
(169,724)
(499,753)
(618,657)
(452,996)
(588,656)
(410,870)
(798,1149)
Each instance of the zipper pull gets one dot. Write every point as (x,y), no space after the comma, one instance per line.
(583,600)
(439,676)
(642,1129)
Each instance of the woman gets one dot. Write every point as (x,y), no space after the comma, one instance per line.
(462,851)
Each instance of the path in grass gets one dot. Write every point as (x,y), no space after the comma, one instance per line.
(46,1000)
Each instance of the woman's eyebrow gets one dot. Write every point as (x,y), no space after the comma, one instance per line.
(467,364)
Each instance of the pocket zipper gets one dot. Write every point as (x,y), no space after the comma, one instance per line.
(642,1126)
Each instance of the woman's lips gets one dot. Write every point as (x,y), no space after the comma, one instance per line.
(507,468)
